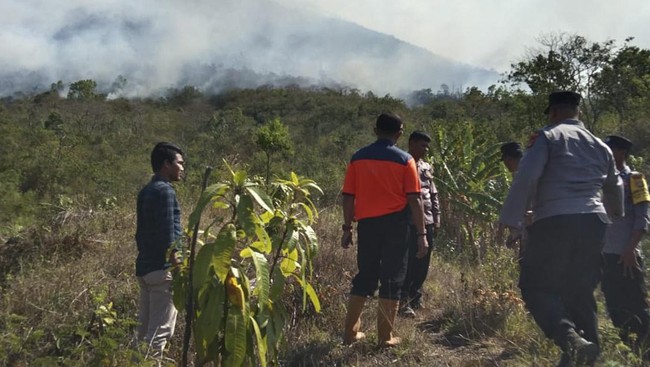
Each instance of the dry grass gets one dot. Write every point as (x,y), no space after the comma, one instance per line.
(473,316)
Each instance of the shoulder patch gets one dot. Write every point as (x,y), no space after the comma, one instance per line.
(532,138)
(639,188)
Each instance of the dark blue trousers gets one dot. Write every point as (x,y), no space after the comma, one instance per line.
(417,269)
(382,255)
(626,298)
(560,270)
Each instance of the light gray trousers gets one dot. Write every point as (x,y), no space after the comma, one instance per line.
(157,317)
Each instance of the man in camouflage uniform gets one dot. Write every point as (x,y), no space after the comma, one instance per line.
(419,267)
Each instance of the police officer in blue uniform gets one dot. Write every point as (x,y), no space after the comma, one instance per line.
(563,175)
(623,282)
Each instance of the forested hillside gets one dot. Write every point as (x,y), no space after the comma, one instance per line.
(73,163)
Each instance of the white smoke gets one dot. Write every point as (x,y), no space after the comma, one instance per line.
(161,44)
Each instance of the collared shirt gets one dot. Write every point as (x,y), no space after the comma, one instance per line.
(566,170)
(158,225)
(428,193)
(636,218)
(379,176)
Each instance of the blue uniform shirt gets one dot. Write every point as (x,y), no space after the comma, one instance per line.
(566,170)
(636,218)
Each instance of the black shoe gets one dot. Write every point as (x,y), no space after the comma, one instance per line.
(406,311)
(584,352)
(565,361)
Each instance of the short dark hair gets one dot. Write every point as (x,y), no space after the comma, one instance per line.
(389,123)
(163,152)
(419,136)
(511,149)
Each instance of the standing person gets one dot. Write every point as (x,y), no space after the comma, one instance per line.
(418,268)
(158,227)
(562,175)
(381,187)
(623,282)
(511,154)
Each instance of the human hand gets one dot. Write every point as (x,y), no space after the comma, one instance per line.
(514,235)
(346,239)
(423,247)
(629,261)
(175,258)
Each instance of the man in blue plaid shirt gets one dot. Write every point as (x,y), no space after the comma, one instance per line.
(158,227)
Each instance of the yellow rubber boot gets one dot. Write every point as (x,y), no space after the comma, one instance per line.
(386,312)
(351,331)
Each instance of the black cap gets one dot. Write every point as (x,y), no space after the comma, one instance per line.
(564,98)
(420,136)
(618,142)
(511,149)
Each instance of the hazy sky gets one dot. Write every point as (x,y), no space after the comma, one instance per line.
(491,33)
(157,44)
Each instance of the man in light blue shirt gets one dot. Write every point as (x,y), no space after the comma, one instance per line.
(623,282)
(567,177)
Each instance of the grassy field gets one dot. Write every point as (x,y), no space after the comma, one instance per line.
(69,299)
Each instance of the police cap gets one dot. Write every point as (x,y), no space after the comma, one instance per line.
(562,98)
(618,142)
(511,149)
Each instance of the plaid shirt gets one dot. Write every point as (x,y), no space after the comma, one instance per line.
(158,225)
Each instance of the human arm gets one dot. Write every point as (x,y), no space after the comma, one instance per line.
(639,228)
(417,214)
(167,218)
(613,192)
(435,207)
(348,215)
(524,184)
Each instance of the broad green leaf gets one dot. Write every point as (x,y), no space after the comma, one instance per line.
(313,297)
(235,337)
(202,264)
(224,247)
(239,178)
(308,211)
(261,198)
(260,246)
(246,253)
(207,195)
(245,214)
(277,286)
(260,341)
(179,289)
(208,323)
(220,205)
(263,282)
(290,263)
(294,179)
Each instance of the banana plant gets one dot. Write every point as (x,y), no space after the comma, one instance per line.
(262,242)
(471,182)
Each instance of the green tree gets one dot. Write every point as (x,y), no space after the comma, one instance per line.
(83,89)
(625,80)
(240,275)
(273,138)
(568,62)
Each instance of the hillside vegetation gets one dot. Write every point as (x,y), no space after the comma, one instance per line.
(72,165)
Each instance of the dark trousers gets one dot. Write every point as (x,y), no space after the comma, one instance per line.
(625,297)
(381,256)
(417,269)
(560,270)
